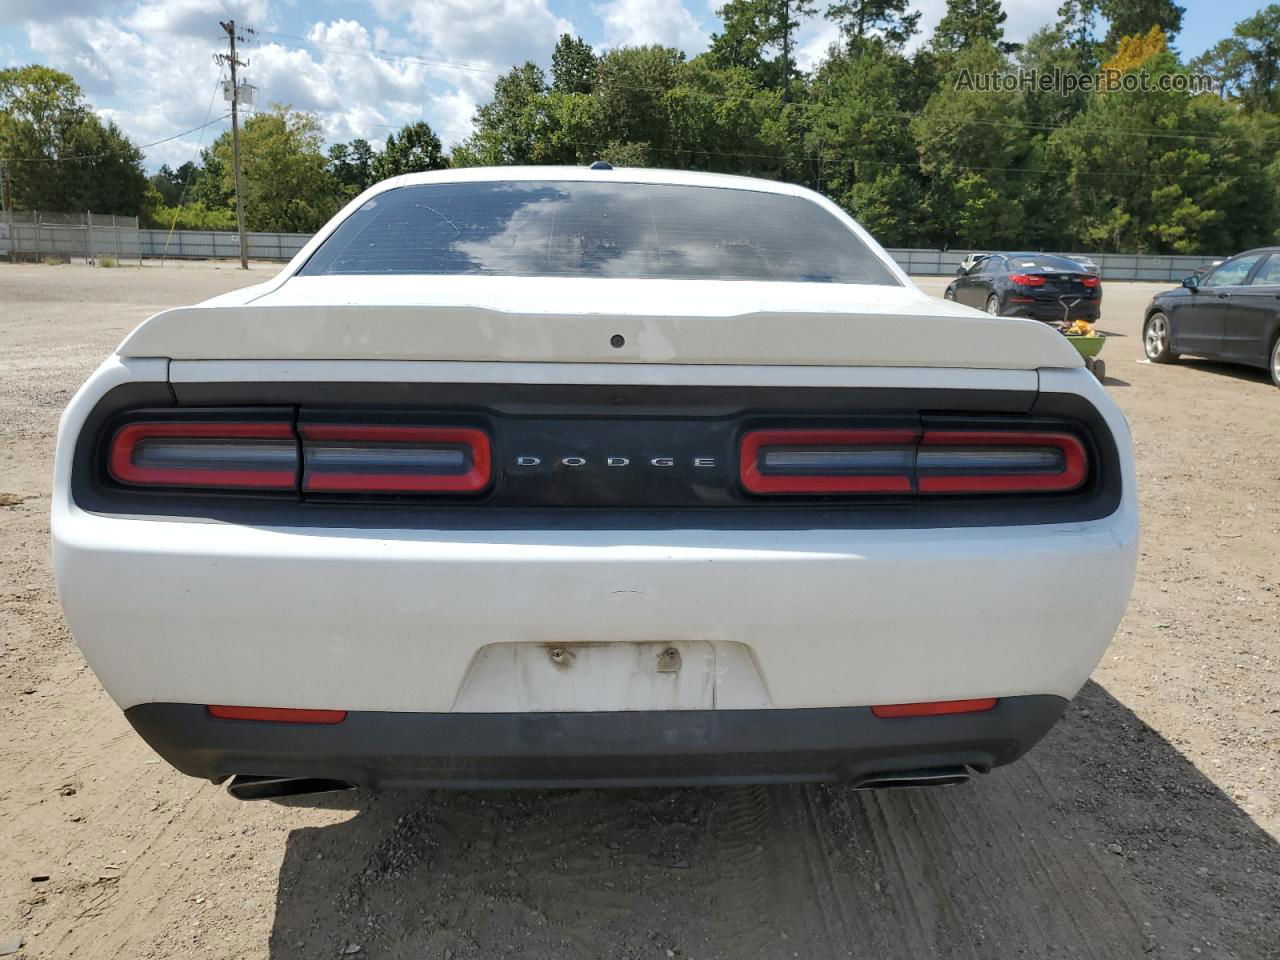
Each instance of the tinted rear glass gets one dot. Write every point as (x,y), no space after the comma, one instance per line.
(573,229)
(1040,261)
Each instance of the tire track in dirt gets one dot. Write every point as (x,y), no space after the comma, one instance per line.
(739,831)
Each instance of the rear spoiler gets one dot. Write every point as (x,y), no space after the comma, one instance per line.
(948,337)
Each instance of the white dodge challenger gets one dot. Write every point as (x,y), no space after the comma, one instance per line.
(570,476)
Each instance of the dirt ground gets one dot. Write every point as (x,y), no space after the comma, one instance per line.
(1145,824)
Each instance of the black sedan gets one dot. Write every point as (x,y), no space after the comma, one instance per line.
(1036,285)
(1231,313)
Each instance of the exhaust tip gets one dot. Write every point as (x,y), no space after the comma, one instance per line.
(938,777)
(269,788)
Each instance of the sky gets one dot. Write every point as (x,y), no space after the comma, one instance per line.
(367,67)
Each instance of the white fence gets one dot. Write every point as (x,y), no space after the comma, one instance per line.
(65,236)
(96,235)
(220,244)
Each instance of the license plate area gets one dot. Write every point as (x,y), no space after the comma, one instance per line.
(573,677)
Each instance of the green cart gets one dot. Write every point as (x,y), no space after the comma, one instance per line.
(1089,348)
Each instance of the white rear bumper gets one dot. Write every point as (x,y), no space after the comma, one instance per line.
(392,620)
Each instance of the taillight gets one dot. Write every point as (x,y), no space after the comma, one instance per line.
(935,461)
(260,455)
(1026,279)
(263,450)
(363,458)
(1089,281)
(827,461)
(999,461)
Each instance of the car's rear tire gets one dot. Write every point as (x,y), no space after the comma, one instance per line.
(1157,339)
(949,295)
(1275,362)
(993,305)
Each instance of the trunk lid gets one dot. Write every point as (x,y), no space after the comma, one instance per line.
(469,318)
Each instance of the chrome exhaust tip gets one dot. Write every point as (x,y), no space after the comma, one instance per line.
(269,788)
(938,777)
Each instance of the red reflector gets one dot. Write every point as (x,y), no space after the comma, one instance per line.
(1089,281)
(278,714)
(367,458)
(934,708)
(253,454)
(999,462)
(807,461)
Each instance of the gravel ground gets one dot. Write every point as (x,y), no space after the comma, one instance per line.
(1145,824)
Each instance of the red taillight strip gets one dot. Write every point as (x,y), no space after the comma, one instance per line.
(756,481)
(934,708)
(277,714)
(125,442)
(475,479)
(1069,478)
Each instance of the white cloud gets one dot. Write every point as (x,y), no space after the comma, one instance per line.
(814,43)
(21,11)
(155,76)
(196,18)
(487,33)
(638,22)
(151,90)
(356,91)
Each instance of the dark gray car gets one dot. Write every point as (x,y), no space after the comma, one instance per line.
(1037,285)
(1230,313)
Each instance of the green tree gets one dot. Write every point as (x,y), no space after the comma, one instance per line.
(970,22)
(974,150)
(60,154)
(573,65)
(1247,63)
(631,88)
(510,127)
(1128,17)
(1202,190)
(414,149)
(887,19)
(755,28)
(171,184)
(864,148)
(352,165)
(288,186)
(1050,49)
(1077,21)
(189,216)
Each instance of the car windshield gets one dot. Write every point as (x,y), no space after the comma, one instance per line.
(1045,263)
(577,229)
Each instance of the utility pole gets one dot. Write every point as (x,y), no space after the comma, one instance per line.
(229,59)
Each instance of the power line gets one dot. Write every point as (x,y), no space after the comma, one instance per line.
(95,156)
(182,198)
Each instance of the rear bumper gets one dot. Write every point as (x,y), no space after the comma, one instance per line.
(395,620)
(1053,311)
(383,749)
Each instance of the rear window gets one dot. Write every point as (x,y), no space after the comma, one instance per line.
(1048,264)
(573,229)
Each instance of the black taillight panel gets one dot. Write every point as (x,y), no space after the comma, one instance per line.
(683,457)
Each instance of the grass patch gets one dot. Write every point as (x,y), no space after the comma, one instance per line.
(108,262)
